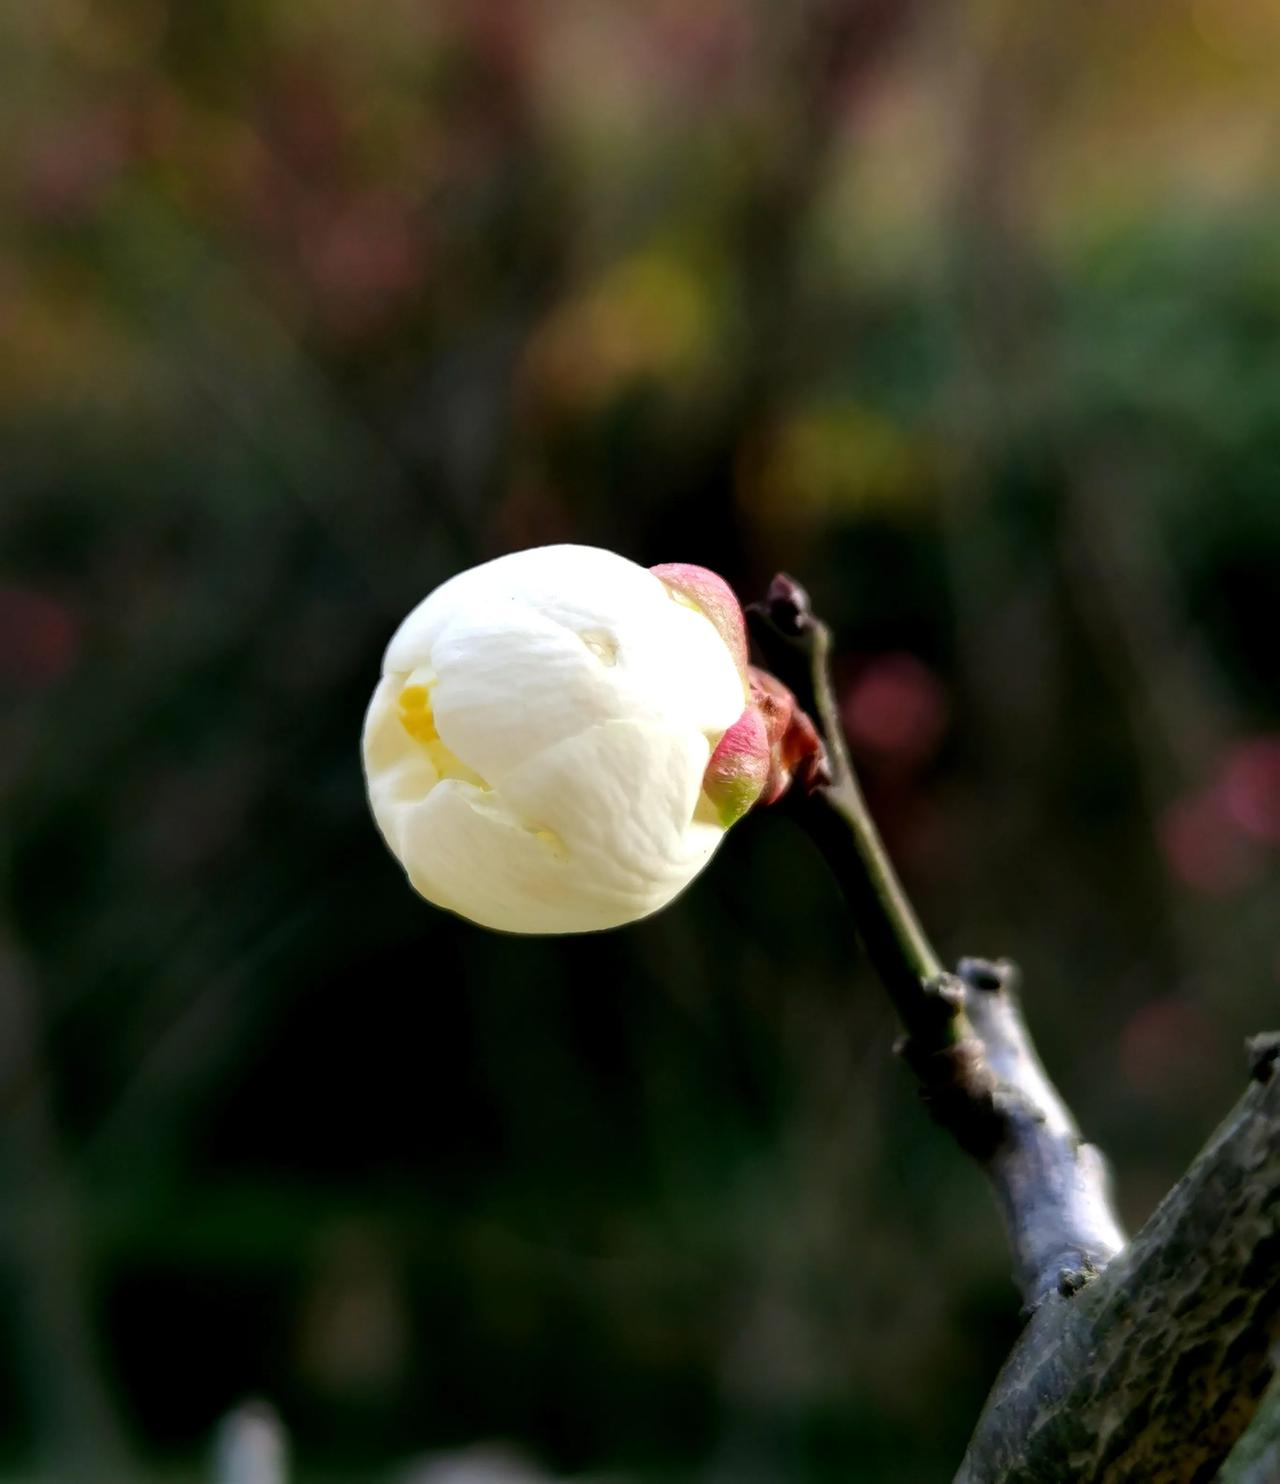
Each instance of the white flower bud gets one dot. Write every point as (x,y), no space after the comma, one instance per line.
(536,748)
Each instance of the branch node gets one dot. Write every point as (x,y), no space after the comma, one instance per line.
(946,991)
(1072,1280)
(1263,1051)
(992,976)
(786,606)
(959,1090)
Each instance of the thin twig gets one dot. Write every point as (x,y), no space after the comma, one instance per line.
(1140,1362)
(797,645)
(965,1037)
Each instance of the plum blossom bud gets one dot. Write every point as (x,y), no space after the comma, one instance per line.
(537,750)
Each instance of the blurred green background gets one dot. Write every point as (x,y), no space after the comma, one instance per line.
(969,317)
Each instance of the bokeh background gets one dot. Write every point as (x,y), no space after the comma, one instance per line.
(967,316)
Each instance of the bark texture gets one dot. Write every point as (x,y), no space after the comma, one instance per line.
(1154,1369)
(1053,1188)
(1256,1457)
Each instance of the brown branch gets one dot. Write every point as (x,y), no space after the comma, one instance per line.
(1139,1363)
(965,1037)
(797,646)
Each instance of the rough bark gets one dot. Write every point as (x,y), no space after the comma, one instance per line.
(1155,1368)
(1053,1188)
(1256,1457)
(965,1036)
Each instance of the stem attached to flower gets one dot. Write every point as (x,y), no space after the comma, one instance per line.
(965,1037)
(966,1040)
(1200,1282)
(796,645)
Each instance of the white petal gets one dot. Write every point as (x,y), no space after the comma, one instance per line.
(621,797)
(396,767)
(667,652)
(675,656)
(581,587)
(464,851)
(512,683)
(597,833)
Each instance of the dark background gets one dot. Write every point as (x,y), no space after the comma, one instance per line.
(969,318)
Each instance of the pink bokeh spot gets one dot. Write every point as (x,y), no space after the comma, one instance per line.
(1250,787)
(71,164)
(39,638)
(1163,1046)
(1201,846)
(362,256)
(896,710)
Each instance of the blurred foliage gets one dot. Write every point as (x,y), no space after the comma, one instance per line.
(969,318)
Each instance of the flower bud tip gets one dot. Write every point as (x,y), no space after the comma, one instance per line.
(712,596)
